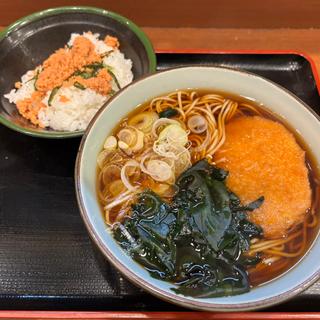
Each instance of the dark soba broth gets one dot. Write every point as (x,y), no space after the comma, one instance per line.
(271,265)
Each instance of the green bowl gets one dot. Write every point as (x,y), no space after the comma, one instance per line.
(29,41)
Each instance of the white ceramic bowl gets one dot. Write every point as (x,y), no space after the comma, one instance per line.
(274,98)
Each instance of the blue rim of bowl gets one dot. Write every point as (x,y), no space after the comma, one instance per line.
(153,289)
(73,9)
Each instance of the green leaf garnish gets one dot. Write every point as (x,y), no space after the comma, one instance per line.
(52,94)
(105,54)
(35,78)
(91,70)
(168,113)
(79,85)
(113,76)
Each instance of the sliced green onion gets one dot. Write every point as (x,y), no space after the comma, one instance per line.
(79,85)
(113,76)
(105,54)
(95,67)
(84,75)
(35,78)
(52,94)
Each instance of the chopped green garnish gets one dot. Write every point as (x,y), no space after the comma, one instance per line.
(79,85)
(91,70)
(113,76)
(35,78)
(168,113)
(84,75)
(105,54)
(52,94)
(94,65)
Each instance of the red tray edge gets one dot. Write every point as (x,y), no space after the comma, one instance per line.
(157,315)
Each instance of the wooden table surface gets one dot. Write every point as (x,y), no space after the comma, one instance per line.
(305,41)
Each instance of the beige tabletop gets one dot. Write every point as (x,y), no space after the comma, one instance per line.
(304,41)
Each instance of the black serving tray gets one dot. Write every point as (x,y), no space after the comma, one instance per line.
(47,261)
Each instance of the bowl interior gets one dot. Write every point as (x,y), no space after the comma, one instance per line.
(30,43)
(273,97)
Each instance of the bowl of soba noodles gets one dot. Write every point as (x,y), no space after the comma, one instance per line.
(201,185)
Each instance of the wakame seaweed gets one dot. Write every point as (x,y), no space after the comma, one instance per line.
(199,240)
(168,113)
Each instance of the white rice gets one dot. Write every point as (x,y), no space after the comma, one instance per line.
(100,45)
(120,66)
(74,114)
(26,89)
(83,104)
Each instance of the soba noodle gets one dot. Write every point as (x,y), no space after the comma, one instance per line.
(216,110)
